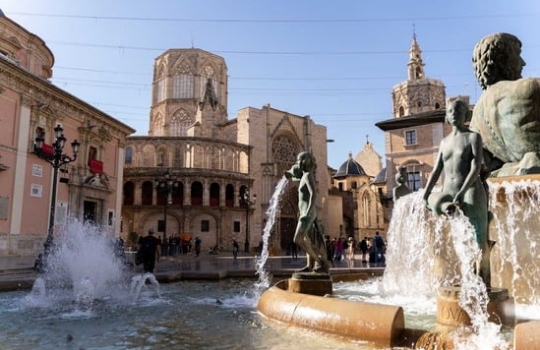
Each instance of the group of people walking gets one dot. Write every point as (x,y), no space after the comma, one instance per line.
(372,249)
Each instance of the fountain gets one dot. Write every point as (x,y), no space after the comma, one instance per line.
(398,309)
(380,316)
(86,263)
(430,296)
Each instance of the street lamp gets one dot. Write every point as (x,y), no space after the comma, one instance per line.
(248,203)
(56,158)
(165,186)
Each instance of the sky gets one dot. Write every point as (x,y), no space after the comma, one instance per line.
(336,61)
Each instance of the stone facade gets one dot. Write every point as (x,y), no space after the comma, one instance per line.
(214,160)
(31,106)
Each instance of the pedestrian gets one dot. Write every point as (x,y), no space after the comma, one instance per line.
(363,246)
(198,243)
(149,251)
(349,252)
(260,248)
(339,249)
(294,251)
(235,249)
(330,249)
(379,246)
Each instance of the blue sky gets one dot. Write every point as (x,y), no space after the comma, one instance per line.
(336,61)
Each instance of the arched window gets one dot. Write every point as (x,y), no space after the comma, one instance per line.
(401,111)
(214,195)
(129,193)
(160,158)
(418,73)
(241,200)
(147,192)
(437,105)
(284,152)
(229,195)
(180,123)
(177,194)
(128,156)
(366,205)
(196,193)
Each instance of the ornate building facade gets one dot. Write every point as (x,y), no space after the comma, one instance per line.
(224,171)
(31,107)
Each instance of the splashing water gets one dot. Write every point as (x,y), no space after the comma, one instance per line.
(264,278)
(442,252)
(85,262)
(139,281)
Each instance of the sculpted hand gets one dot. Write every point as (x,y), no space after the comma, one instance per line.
(458,199)
(426,204)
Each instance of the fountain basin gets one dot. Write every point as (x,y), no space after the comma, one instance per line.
(379,324)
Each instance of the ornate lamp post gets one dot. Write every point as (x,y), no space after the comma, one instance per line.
(165,185)
(56,158)
(248,202)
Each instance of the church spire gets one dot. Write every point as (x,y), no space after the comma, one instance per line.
(416,65)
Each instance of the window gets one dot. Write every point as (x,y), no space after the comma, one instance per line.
(236,226)
(401,111)
(180,123)
(413,169)
(92,153)
(205,226)
(413,180)
(40,132)
(160,158)
(183,86)
(129,156)
(129,193)
(410,137)
(161,90)
(146,193)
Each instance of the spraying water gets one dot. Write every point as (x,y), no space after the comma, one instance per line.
(442,252)
(85,262)
(264,278)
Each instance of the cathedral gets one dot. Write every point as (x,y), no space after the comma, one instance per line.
(200,174)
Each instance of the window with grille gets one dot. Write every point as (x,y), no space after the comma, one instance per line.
(410,137)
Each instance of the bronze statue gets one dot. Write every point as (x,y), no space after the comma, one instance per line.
(401,189)
(460,157)
(309,234)
(507,114)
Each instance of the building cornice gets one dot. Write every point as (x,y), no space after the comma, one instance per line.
(38,91)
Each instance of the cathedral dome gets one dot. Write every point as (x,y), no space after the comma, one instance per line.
(350,168)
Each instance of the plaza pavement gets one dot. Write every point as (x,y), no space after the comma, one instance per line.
(17,272)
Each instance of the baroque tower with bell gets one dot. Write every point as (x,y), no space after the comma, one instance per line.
(417,126)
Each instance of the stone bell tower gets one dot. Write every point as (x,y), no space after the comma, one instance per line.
(189,93)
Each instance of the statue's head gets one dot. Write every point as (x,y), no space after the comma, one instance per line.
(497,57)
(458,110)
(401,176)
(306,161)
